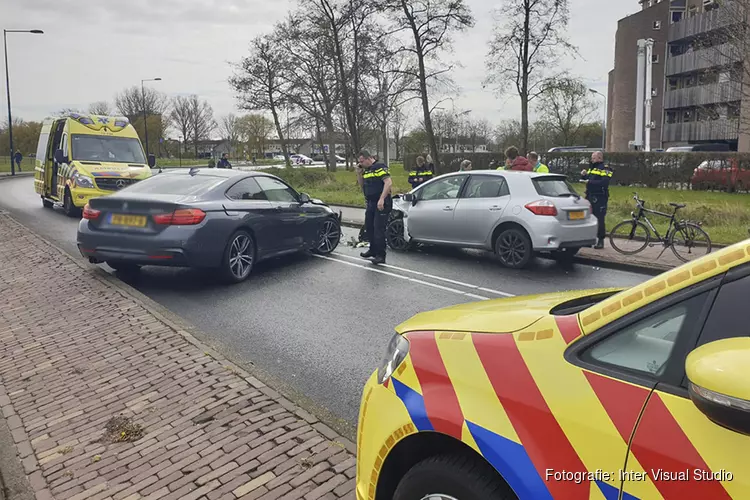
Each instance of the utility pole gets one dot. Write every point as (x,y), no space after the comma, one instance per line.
(7,86)
(145,119)
(604,118)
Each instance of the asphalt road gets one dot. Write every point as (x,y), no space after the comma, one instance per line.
(318,326)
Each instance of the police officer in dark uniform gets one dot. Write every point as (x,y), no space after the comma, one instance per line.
(597,179)
(376,185)
(421,174)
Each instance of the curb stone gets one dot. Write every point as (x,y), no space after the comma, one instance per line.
(51,468)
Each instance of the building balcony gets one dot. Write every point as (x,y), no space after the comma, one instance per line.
(703,95)
(715,130)
(697,60)
(700,24)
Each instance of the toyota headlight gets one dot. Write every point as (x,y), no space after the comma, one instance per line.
(83,180)
(398,348)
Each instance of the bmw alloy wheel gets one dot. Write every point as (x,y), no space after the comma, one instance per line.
(241,256)
(330,235)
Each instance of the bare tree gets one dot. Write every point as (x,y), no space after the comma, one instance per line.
(229,128)
(181,117)
(131,102)
(529,41)
(202,121)
(258,83)
(398,129)
(568,106)
(100,108)
(254,130)
(430,25)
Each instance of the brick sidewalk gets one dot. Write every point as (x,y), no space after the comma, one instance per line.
(84,365)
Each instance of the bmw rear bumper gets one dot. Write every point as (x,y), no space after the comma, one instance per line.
(176,246)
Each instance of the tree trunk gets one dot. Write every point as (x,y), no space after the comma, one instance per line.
(384,138)
(525,69)
(279,132)
(331,159)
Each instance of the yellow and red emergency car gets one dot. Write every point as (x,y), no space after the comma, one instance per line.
(80,157)
(642,393)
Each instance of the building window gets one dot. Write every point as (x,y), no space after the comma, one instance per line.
(654,92)
(671,117)
(657,25)
(673,83)
(676,16)
(689,82)
(733,111)
(688,116)
(655,58)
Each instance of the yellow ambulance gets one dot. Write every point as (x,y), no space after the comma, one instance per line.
(80,157)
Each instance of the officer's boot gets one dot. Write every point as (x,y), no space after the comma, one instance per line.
(599,244)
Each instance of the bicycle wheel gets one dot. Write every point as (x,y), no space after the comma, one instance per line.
(689,241)
(629,237)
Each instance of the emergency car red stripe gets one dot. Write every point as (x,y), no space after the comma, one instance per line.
(622,402)
(660,444)
(540,434)
(440,400)
(569,327)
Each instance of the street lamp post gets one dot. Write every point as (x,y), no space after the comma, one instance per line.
(145,119)
(604,118)
(7,86)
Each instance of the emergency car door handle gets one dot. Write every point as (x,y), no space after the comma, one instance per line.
(448,209)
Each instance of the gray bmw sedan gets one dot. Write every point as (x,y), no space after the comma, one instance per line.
(213,219)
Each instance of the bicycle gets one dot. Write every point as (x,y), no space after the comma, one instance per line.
(682,233)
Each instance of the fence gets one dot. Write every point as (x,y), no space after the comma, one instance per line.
(709,170)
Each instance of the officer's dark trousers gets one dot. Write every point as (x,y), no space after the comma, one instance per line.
(375,221)
(599,207)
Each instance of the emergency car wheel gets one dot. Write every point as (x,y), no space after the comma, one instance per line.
(68,207)
(450,477)
(513,247)
(239,257)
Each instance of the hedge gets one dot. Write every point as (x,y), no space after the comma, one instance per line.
(666,170)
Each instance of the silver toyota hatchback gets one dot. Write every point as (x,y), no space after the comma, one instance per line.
(515,214)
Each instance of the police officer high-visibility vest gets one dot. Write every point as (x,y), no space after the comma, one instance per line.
(374,180)
(541,168)
(420,175)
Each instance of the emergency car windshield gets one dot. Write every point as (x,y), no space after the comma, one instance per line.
(107,149)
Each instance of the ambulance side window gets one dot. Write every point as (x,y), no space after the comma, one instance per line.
(41,149)
(64,144)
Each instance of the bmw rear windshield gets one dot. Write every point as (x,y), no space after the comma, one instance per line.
(553,186)
(183,184)
(107,149)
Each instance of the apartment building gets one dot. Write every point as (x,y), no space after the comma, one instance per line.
(697,74)
(652,21)
(703,76)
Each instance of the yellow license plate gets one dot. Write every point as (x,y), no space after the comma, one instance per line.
(578,215)
(128,220)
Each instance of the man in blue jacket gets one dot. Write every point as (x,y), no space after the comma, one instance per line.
(597,179)
(224,162)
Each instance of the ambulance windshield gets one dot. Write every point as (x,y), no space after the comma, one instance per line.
(107,149)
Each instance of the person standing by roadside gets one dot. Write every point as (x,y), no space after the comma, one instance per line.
(515,161)
(421,174)
(18,157)
(537,163)
(597,179)
(224,162)
(465,166)
(376,184)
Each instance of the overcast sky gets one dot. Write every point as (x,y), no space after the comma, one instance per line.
(92,49)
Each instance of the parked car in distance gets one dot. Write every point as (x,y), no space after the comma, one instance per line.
(514,214)
(723,175)
(279,158)
(225,220)
(695,148)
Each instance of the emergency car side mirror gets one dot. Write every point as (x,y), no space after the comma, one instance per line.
(60,156)
(152,160)
(718,383)
(409,197)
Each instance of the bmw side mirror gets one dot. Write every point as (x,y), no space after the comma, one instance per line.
(152,160)
(304,198)
(60,156)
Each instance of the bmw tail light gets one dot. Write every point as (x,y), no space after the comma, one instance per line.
(542,207)
(181,217)
(91,213)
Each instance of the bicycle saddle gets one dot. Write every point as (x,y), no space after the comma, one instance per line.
(678,205)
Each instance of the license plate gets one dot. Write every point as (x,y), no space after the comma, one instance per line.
(128,220)
(577,215)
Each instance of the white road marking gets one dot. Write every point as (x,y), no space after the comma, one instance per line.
(432,276)
(373,269)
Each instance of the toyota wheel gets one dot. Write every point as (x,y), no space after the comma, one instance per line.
(514,248)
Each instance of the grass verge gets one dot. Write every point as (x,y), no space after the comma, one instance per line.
(725,216)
